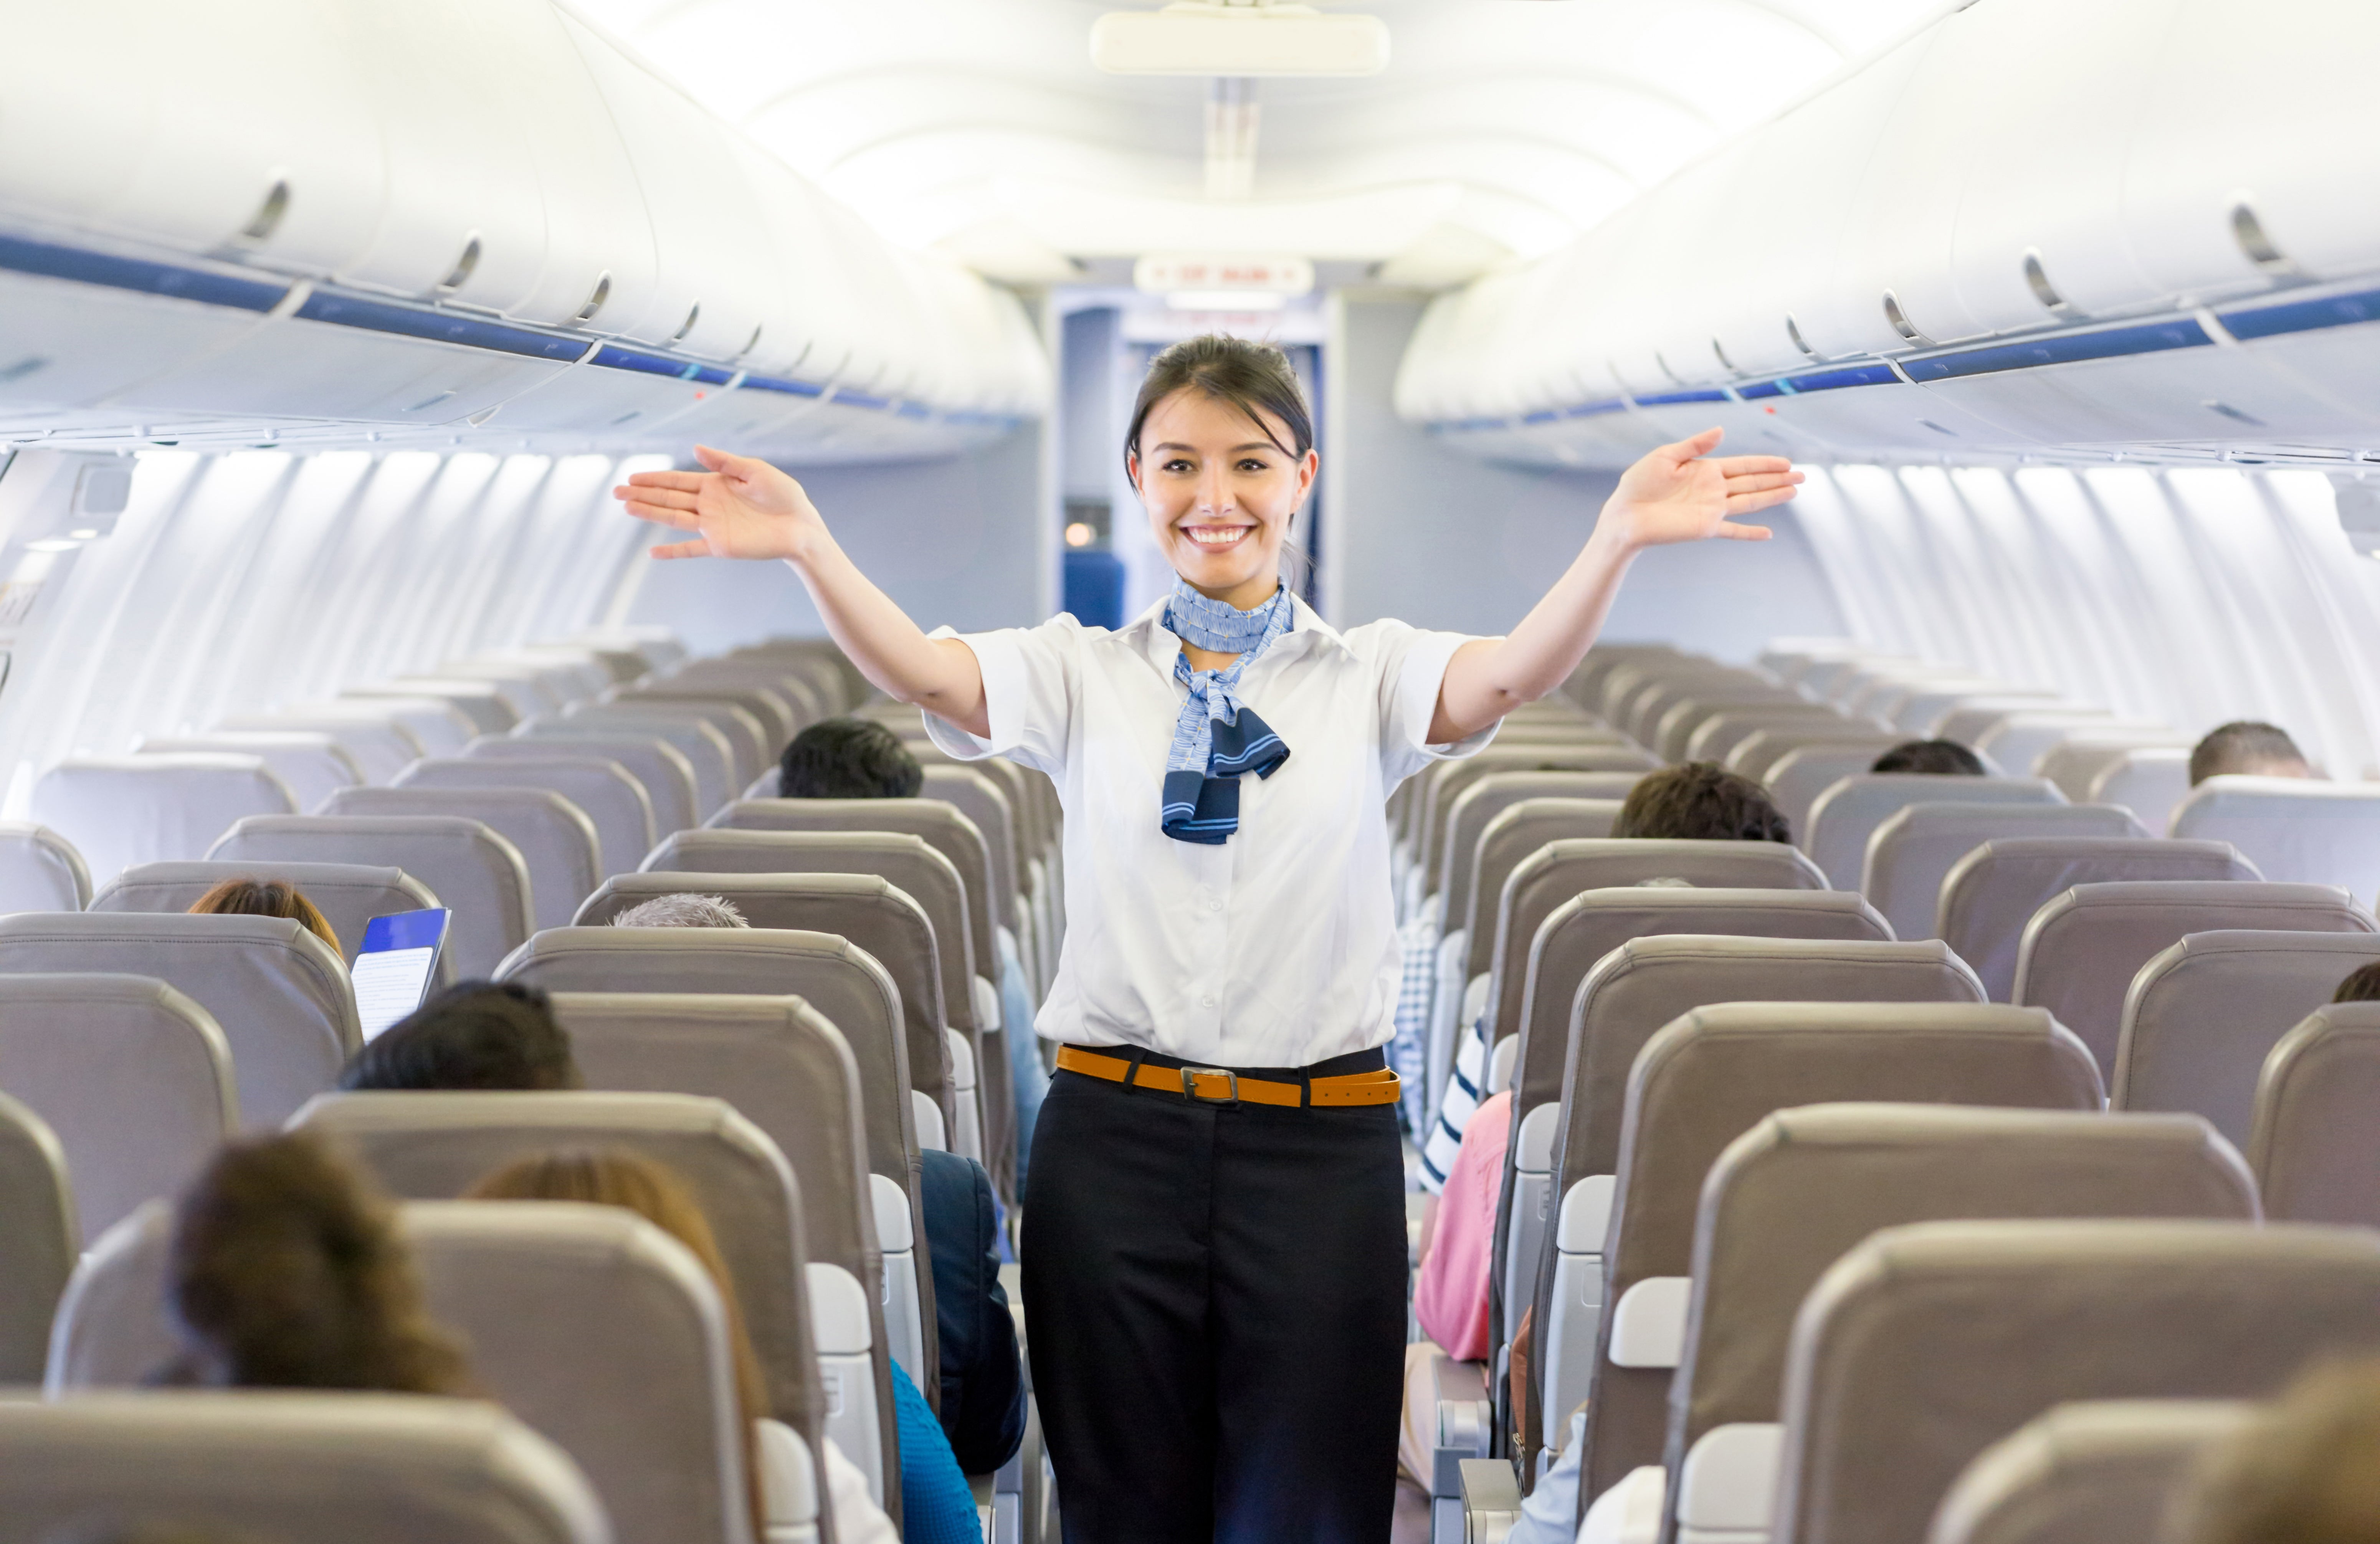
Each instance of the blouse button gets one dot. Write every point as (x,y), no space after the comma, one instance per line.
(1206,1002)
(1214,906)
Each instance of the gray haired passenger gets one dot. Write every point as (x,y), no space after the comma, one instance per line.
(683,910)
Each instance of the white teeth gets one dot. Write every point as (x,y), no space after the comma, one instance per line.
(1207,538)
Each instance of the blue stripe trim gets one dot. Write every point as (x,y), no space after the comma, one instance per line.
(361,311)
(783,383)
(1766,388)
(1668,399)
(48,261)
(2060,348)
(1543,415)
(1836,380)
(861,400)
(2302,316)
(1596,409)
(612,357)
(913,410)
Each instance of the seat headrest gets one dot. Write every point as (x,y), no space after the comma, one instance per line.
(347,894)
(2087,1472)
(39,1246)
(1917,847)
(1846,815)
(119,810)
(2314,1104)
(40,871)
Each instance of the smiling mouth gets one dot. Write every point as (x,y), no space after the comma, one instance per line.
(1217,536)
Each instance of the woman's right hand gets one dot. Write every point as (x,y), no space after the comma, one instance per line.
(738,508)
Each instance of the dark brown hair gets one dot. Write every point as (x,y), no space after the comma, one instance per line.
(286,1271)
(2362,985)
(2302,1471)
(655,1193)
(2237,746)
(1941,757)
(1254,377)
(1700,801)
(266,898)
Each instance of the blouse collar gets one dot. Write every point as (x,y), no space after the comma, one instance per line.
(1148,633)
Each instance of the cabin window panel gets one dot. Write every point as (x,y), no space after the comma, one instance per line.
(2083,548)
(2201,651)
(2344,588)
(2075,650)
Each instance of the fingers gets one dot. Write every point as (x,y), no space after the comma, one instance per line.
(1700,446)
(679,519)
(682,548)
(736,467)
(685,483)
(659,498)
(1746,466)
(1761,482)
(1734,532)
(1744,504)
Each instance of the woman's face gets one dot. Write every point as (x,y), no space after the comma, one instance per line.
(1218,493)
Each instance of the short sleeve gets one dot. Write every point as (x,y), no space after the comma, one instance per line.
(1028,694)
(1412,666)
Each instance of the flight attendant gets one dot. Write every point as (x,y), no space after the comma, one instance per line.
(1214,1244)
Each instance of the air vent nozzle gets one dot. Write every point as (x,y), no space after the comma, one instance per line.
(2036,278)
(2255,245)
(464,266)
(595,298)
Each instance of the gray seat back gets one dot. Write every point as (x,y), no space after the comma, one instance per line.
(1548,877)
(1991,894)
(710,757)
(2078,762)
(2092,1472)
(2149,782)
(887,1021)
(39,1246)
(1798,765)
(347,894)
(2021,1317)
(1718,732)
(2201,1016)
(1847,814)
(119,810)
(40,871)
(1515,834)
(294,1468)
(556,841)
(938,825)
(1715,1074)
(433,725)
(1437,787)
(1803,1187)
(589,1323)
(1916,848)
(133,1077)
(471,868)
(766,706)
(659,769)
(1454,862)
(429,1147)
(2081,951)
(280,994)
(490,707)
(600,788)
(310,761)
(2312,1145)
(986,805)
(2296,830)
(748,739)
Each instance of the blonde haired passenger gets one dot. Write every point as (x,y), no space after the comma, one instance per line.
(250,897)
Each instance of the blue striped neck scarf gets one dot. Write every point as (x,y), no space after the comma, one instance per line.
(1218,737)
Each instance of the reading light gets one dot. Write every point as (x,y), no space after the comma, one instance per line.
(1245,38)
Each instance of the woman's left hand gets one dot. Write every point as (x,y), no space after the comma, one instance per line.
(1679,493)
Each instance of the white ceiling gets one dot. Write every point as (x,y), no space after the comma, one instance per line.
(1500,127)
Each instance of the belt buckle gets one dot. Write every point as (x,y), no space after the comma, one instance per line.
(1190,1085)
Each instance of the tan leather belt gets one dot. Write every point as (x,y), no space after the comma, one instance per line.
(1223,1085)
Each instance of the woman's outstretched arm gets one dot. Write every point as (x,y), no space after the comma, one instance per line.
(740,507)
(1675,493)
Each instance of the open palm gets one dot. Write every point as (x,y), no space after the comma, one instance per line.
(738,508)
(1679,493)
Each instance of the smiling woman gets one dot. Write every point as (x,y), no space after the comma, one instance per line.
(1214,1226)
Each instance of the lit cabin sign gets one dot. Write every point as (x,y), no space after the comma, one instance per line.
(1215,275)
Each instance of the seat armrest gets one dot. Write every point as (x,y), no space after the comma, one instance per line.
(1649,1324)
(1491,1500)
(1465,1424)
(1727,1486)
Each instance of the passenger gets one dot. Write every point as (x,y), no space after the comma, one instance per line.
(2246,748)
(286,1271)
(2362,985)
(982,1380)
(660,1197)
(1214,1231)
(1700,801)
(860,758)
(479,1035)
(266,898)
(1942,757)
(2306,1470)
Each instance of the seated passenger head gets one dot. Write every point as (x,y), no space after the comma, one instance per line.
(1227,406)
(682,911)
(1945,758)
(265,898)
(1700,801)
(2362,985)
(286,1271)
(480,1034)
(2300,1472)
(656,1193)
(848,759)
(2249,749)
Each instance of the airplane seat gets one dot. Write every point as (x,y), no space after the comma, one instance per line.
(470,867)
(280,995)
(347,894)
(2149,782)
(771,719)
(295,1467)
(2069,1310)
(379,742)
(2085,1473)
(2082,951)
(983,801)
(2079,761)
(748,737)
(1846,815)
(2021,741)
(2311,1139)
(132,1076)
(2201,1016)
(1799,765)
(709,757)
(40,871)
(1992,893)
(39,1246)
(658,767)
(882,993)
(1719,732)
(310,761)
(601,789)
(1455,870)
(491,707)
(122,810)
(588,1324)
(2296,830)
(556,842)
(1918,845)
(1439,786)
(1675,727)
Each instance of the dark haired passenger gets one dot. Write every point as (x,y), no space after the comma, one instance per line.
(1941,757)
(266,898)
(1700,801)
(848,759)
(286,1271)
(2247,748)
(2362,985)
(479,1035)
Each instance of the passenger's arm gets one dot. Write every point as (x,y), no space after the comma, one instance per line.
(1673,495)
(743,507)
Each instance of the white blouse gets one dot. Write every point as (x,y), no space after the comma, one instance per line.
(1277,948)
